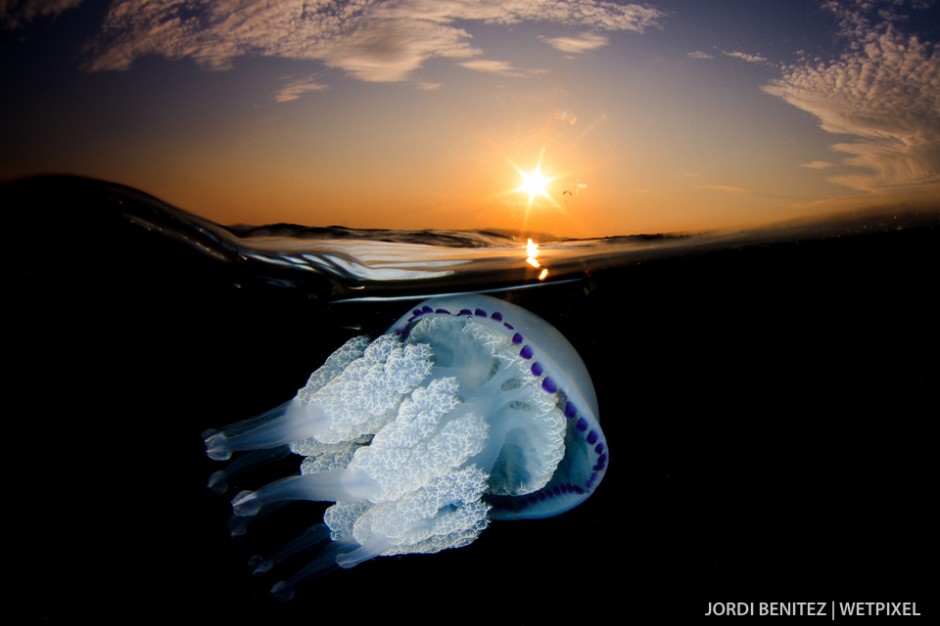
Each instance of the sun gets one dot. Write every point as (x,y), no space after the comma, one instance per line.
(534,184)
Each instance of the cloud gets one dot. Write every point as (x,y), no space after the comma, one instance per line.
(18,13)
(699,55)
(817,165)
(744,56)
(882,93)
(501,68)
(382,49)
(294,89)
(373,40)
(577,45)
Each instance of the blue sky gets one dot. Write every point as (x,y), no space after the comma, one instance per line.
(648,117)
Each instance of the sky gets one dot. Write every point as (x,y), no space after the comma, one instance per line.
(668,116)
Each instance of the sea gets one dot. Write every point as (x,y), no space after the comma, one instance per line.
(768,397)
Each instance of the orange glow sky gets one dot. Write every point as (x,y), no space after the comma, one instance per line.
(655,117)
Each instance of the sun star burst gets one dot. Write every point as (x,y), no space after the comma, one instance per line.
(535,184)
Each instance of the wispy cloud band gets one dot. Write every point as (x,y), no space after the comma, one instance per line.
(296,88)
(744,56)
(371,40)
(577,45)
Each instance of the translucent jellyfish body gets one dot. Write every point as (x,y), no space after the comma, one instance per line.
(469,409)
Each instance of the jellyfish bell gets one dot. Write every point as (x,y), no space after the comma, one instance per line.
(469,409)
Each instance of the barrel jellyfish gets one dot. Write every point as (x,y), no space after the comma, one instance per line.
(469,409)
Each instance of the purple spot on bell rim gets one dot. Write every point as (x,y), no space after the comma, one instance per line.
(537,369)
(480,313)
(592,437)
(497,316)
(570,410)
(549,385)
(582,424)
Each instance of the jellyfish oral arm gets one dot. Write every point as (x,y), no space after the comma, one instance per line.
(347,485)
(355,393)
(291,421)
(447,512)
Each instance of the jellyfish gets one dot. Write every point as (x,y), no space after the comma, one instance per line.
(469,409)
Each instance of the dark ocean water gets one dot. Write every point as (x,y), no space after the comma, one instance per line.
(767,397)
